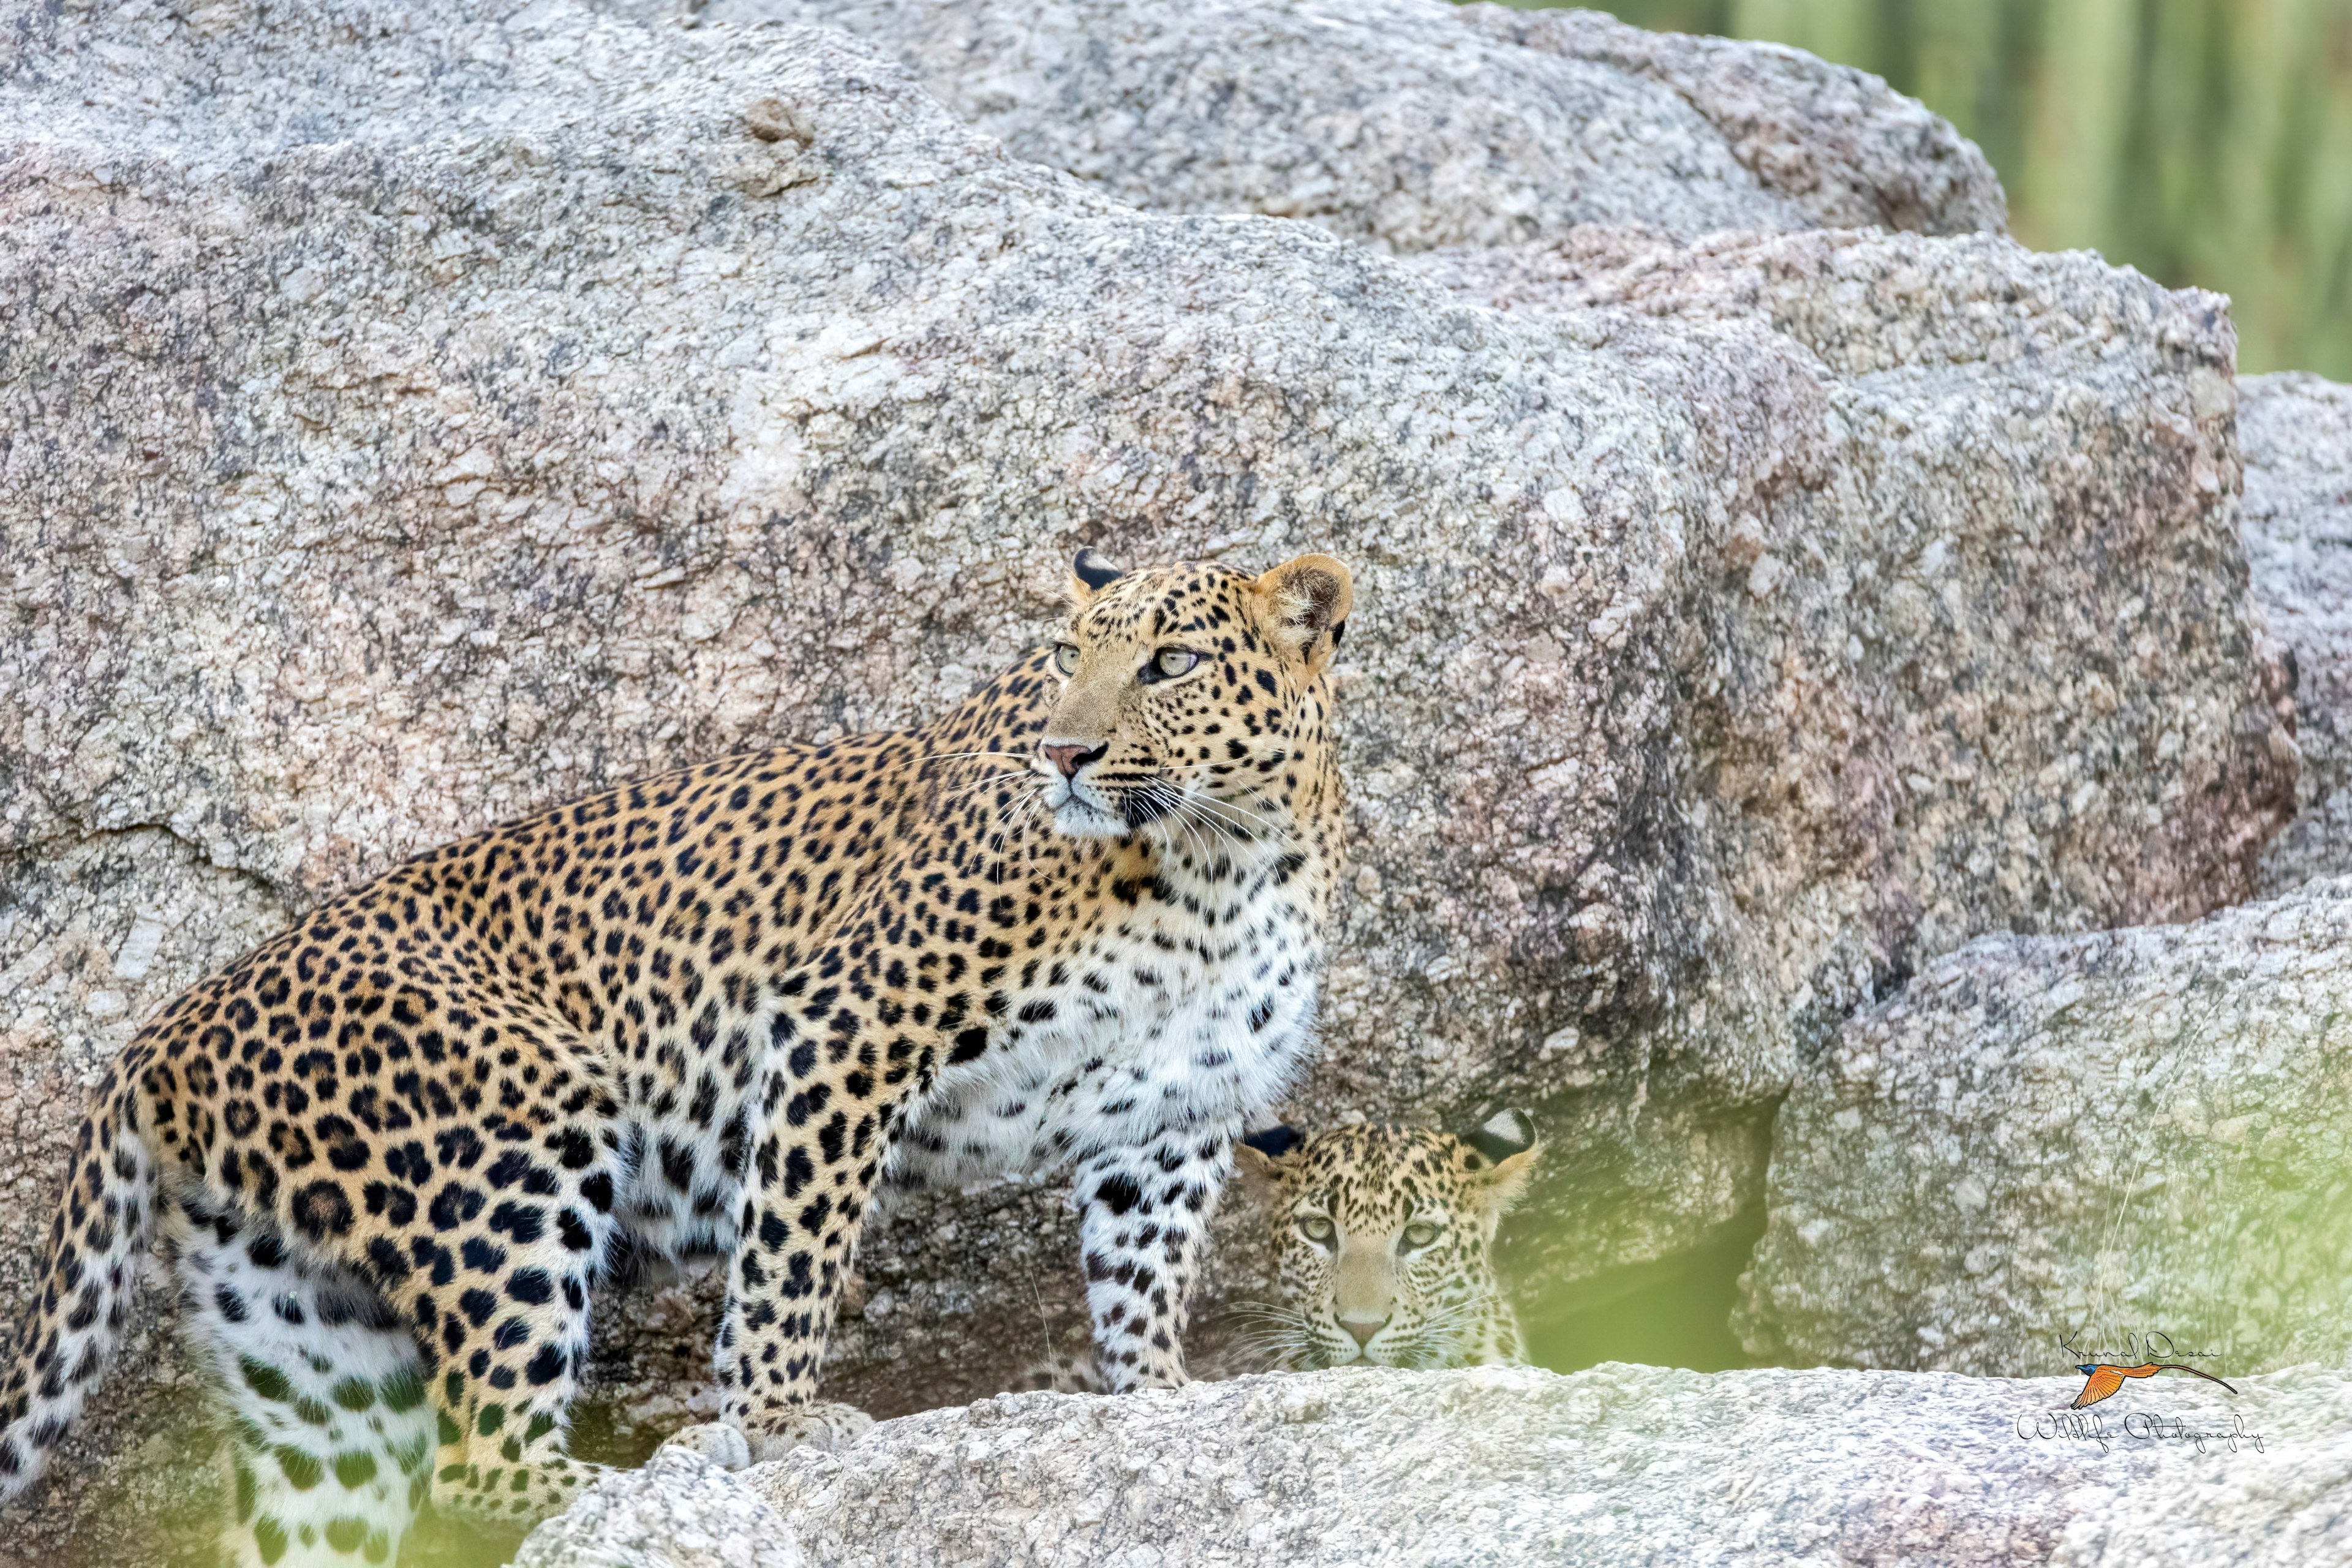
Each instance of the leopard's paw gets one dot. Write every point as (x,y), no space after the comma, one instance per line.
(823,1424)
(724,1446)
(1064,1373)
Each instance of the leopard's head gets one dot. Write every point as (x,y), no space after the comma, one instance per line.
(1192,696)
(1384,1237)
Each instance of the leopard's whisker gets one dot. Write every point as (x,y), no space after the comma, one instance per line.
(964,790)
(1183,819)
(1217,832)
(850,907)
(1209,831)
(964,756)
(1014,823)
(1218,802)
(1163,824)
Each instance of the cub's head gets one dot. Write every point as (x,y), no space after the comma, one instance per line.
(1192,694)
(1384,1236)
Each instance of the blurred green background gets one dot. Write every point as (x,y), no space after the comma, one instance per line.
(2204,142)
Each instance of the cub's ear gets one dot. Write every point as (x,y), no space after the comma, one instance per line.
(1502,1135)
(1503,1155)
(1089,575)
(1308,600)
(1259,1155)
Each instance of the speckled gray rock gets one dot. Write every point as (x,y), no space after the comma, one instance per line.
(1912,356)
(418,413)
(2125,1134)
(677,1511)
(2296,431)
(1833,141)
(1621,1466)
(1413,123)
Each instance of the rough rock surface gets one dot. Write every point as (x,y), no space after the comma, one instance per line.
(679,1512)
(1908,357)
(1618,1465)
(2132,1134)
(1413,123)
(2296,431)
(416,414)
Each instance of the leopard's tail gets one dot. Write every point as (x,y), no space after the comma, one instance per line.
(89,1274)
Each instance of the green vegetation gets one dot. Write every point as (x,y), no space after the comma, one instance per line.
(2203,142)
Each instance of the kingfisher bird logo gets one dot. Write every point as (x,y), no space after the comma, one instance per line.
(2100,1381)
(2104,1373)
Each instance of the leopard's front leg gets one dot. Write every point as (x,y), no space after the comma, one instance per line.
(1143,1223)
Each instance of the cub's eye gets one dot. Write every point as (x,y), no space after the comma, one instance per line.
(1065,658)
(1317,1229)
(1418,1235)
(1170,662)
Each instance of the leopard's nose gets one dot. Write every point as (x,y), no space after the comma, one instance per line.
(1070,759)
(1362,1329)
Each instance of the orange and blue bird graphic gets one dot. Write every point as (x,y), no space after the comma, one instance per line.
(2100,1381)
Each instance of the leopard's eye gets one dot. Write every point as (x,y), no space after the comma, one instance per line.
(1065,658)
(1317,1229)
(1170,662)
(1419,1234)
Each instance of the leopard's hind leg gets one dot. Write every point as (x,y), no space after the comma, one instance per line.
(330,1434)
(498,1292)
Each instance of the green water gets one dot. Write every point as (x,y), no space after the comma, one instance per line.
(2202,142)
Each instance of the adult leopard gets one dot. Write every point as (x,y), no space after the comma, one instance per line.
(1075,922)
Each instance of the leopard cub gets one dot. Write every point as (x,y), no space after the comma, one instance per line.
(1384,1238)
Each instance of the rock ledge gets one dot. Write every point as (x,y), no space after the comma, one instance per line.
(1622,1465)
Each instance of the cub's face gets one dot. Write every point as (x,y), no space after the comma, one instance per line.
(1384,1236)
(1188,696)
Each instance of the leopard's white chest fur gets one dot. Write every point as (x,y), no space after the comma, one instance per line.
(1193,1011)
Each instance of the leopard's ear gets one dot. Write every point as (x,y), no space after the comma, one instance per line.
(1307,602)
(1501,1155)
(1259,1155)
(1089,575)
